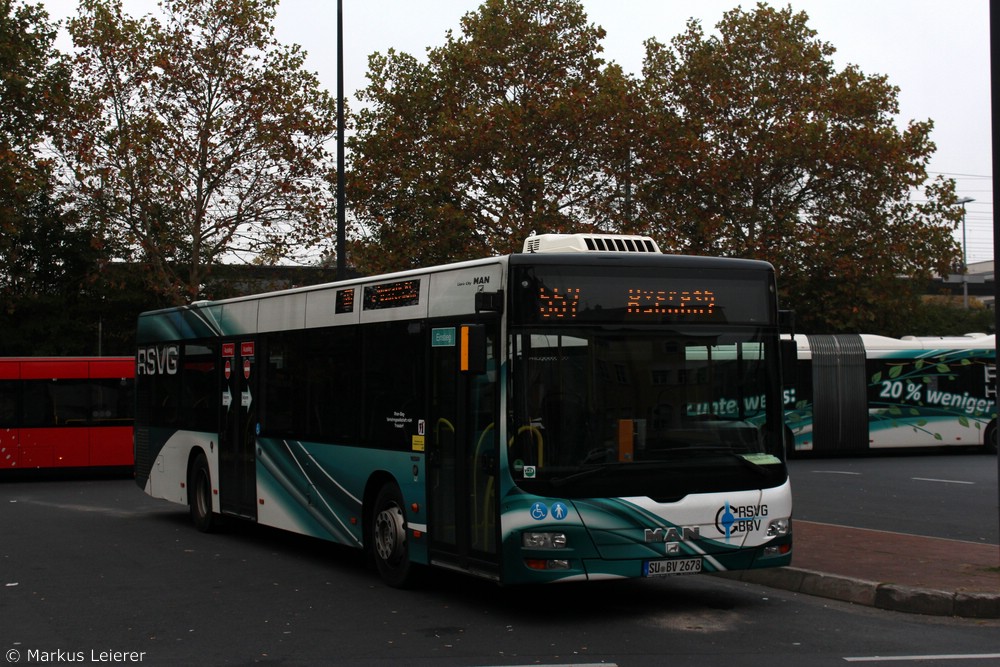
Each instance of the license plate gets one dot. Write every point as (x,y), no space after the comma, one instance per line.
(665,568)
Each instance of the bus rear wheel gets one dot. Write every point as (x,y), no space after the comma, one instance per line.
(990,438)
(388,537)
(200,495)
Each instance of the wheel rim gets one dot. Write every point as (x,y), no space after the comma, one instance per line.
(201,494)
(389,534)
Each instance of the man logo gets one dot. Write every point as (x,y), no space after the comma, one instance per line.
(686,534)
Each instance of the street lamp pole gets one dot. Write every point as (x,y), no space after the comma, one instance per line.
(965,260)
(341,197)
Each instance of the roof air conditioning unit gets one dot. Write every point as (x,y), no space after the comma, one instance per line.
(590,243)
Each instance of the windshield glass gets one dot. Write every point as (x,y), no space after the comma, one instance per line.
(605,411)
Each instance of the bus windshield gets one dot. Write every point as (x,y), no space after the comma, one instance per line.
(602,411)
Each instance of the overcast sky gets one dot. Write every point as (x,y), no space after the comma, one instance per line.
(937,53)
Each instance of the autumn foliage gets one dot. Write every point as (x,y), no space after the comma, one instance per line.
(191,138)
(503,130)
(199,138)
(746,142)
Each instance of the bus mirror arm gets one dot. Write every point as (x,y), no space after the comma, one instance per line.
(489,302)
(786,322)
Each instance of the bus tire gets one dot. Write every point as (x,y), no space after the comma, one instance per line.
(990,438)
(200,495)
(388,537)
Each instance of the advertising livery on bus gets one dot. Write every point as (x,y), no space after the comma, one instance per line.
(66,412)
(854,393)
(587,409)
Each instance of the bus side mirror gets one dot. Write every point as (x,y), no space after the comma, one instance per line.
(789,356)
(472,348)
(489,302)
(786,321)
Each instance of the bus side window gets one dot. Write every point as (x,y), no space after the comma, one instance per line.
(8,403)
(393,381)
(38,408)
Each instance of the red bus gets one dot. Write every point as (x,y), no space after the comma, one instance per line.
(66,412)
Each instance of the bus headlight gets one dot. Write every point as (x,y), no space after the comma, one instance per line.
(543,540)
(779,527)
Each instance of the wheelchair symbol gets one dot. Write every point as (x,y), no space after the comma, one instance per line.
(539,511)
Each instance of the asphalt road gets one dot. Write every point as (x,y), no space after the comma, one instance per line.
(953,496)
(95,569)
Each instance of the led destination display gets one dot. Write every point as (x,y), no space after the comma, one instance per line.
(641,296)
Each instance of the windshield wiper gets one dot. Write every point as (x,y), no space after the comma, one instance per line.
(594,470)
(599,469)
(589,472)
(725,451)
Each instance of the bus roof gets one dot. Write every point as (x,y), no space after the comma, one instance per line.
(976,341)
(401,295)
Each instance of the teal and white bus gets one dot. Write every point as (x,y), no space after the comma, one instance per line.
(857,392)
(586,409)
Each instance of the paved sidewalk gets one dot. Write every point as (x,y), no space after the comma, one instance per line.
(896,571)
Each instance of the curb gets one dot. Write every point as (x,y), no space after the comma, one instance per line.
(891,597)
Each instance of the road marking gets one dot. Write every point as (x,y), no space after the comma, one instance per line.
(836,472)
(889,532)
(111,511)
(905,658)
(943,481)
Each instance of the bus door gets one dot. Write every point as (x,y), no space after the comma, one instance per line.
(462,447)
(237,460)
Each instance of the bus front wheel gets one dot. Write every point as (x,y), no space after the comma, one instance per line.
(200,495)
(388,537)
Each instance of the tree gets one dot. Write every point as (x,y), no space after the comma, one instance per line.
(34,80)
(940,315)
(760,148)
(49,267)
(33,85)
(199,139)
(505,129)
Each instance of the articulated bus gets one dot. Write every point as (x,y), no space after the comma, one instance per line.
(66,412)
(854,393)
(586,409)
